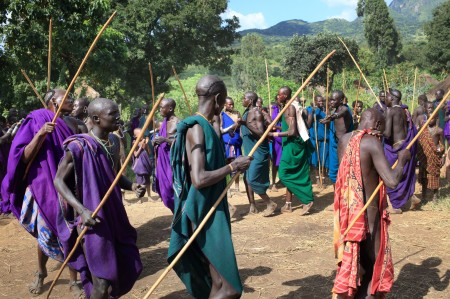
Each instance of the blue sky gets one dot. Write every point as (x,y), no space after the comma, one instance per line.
(265,13)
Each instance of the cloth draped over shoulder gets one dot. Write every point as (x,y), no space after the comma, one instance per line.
(277,147)
(257,175)
(405,189)
(42,170)
(232,144)
(214,243)
(294,166)
(164,176)
(333,154)
(348,202)
(110,246)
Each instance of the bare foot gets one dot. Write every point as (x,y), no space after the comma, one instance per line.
(36,287)
(270,209)
(415,202)
(287,208)
(253,210)
(76,290)
(306,209)
(394,211)
(232,209)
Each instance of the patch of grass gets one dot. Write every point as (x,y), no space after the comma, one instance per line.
(442,204)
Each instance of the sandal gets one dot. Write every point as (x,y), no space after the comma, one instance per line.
(76,290)
(35,288)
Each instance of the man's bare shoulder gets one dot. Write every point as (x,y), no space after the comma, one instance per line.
(370,142)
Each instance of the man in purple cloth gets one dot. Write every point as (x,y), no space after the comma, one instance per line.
(399,132)
(109,261)
(142,164)
(276,143)
(162,143)
(29,193)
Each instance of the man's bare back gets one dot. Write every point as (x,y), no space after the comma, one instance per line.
(396,126)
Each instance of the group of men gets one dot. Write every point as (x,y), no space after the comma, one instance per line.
(57,173)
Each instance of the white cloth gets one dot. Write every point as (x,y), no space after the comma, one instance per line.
(301,126)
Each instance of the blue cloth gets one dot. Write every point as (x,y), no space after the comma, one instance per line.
(321,136)
(232,144)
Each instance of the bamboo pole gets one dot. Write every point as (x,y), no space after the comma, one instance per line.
(41,141)
(182,89)
(357,65)
(317,140)
(343,81)
(375,192)
(49,59)
(108,193)
(359,86)
(385,79)
(326,113)
(268,88)
(34,88)
(153,93)
(224,192)
(414,91)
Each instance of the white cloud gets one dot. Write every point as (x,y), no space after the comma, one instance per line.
(249,21)
(348,14)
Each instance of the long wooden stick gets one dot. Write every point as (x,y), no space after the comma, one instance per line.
(326,113)
(34,88)
(182,89)
(153,91)
(357,65)
(49,59)
(343,81)
(110,190)
(317,140)
(224,192)
(359,86)
(58,112)
(268,88)
(414,91)
(385,79)
(425,126)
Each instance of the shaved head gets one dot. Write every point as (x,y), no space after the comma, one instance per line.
(210,85)
(171,102)
(56,94)
(99,105)
(370,118)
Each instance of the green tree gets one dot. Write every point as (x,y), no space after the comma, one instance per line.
(305,53)
(380,31)
(438,34)
(172,32)
(248,69)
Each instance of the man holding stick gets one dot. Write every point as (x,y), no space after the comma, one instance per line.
(208,268)
(277,147)
(294,164)
(162,144)
(420,111)
(341,122)
(256,178)
(31,195)
(365,268)
(108,260)
(399,132)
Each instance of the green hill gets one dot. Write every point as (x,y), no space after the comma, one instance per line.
(409,17)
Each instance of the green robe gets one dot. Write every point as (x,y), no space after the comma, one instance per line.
(294,166)
(257,175)
(191,206)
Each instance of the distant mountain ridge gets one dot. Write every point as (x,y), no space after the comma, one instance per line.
(409,17)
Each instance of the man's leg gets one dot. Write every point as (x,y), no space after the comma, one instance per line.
(41,273)
(251,197)
(274,176)
(271,206)
(75,289)
(287,208)
(221,289)
(100,288)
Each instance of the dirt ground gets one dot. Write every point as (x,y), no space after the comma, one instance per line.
(284,256)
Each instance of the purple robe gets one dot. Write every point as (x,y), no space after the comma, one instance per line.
(405,189)
(447,125)
(277,141)
(42,171)
(164,176)
(110,246)
(142,168)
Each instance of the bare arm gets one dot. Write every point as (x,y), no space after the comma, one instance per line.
(310,118)
(389,121)
(195,149)
(391,177)
(289,116)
